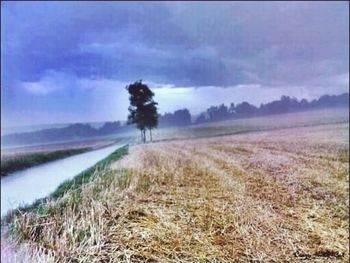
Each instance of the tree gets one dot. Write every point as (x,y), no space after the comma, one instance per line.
(151,116)
(142,109)
(232,109)
(182,117)
(245,109)
(202,118)
(178,118)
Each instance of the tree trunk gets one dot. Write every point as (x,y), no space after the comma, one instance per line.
(143,135)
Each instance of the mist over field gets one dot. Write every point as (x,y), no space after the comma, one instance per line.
(174,131)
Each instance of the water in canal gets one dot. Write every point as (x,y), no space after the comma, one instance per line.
(24,187)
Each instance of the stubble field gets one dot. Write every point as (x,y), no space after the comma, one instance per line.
(273,196)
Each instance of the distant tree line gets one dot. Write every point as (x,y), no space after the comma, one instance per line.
(179,118)
(284,105)
(245,110)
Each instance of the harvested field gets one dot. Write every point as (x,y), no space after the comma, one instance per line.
(254,124)
(274,196)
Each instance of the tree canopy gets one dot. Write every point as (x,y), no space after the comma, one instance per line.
(142,109)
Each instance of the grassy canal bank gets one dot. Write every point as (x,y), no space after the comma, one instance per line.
(10,164)
(72,185)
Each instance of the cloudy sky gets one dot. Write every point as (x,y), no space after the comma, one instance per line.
(70,61)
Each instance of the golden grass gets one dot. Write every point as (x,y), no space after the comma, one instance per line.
(277,196)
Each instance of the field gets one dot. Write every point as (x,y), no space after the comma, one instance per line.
(277,195)
(263,123)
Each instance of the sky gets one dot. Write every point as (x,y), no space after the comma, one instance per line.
(67,62)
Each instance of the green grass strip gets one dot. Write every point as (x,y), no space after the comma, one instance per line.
(85,176)
(16,163)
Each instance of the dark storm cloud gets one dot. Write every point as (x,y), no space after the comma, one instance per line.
(188,44)
(245,42)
